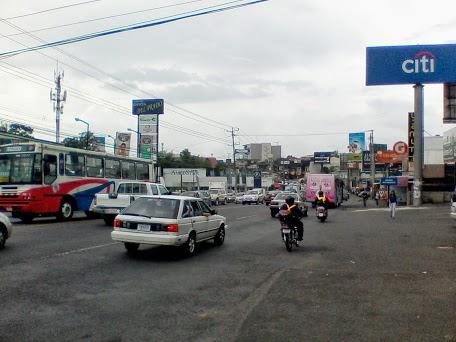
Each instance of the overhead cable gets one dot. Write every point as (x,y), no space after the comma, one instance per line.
(129,28)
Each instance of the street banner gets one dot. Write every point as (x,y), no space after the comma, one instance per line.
(148,106)
(356,145)
(411,135)
(123,141)
(100,143)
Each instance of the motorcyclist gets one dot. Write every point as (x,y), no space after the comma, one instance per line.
(292,214)
(321,200)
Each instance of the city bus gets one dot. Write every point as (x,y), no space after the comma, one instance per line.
(46,179)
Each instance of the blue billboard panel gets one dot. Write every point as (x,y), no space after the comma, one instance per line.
(388,181)
(411,64)
(322,157)
(148,106)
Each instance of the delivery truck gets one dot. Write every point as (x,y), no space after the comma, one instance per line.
(331,186)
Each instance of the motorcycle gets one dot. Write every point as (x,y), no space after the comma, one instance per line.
(322,213)
(289,236)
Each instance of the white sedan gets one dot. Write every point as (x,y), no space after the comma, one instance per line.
(168,220)
(6,229)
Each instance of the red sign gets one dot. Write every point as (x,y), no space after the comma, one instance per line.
(387,157)
(400,148)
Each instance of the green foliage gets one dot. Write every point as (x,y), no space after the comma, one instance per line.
(22,130)
(81,141)
(184,160)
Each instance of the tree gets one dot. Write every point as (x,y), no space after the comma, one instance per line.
(81,141)
(22,130)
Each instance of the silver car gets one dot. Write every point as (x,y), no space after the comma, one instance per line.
(6,229)
(168,220)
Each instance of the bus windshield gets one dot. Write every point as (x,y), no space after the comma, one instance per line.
(23,168)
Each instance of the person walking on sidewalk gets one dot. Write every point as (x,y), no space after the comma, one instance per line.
(392,200)
(377,197)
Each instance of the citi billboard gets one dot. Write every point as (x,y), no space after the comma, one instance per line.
(411,64)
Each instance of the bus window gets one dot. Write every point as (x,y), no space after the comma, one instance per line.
(61,164)
(50,168)
(74,164)
(142,171)
(94,167)
(112,168)
(128,170)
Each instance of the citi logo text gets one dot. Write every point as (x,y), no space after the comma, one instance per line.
(424,62)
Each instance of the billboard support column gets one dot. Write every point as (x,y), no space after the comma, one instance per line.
(418,150)
(372,159)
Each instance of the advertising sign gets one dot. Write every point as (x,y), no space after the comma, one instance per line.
(388,157)
(411,135)
(100,144)
(400,148)
(122,144)
(322,157)
(388,181)
(410,64)
(148,106)
(356,145)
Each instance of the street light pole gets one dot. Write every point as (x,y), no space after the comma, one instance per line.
(87,134)
(138,140)
(113,142)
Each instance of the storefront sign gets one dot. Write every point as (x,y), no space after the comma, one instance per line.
(148,106)
(411,135)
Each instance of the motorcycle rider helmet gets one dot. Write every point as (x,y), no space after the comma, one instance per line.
(320,193)
(289,200)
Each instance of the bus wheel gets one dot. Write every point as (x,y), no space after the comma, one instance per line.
(66,210)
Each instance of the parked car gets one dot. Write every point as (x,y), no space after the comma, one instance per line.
(231,197)
(218,196)
(270,195)
(453,210)
(109,205)
(168,220)
(239,197)
(6,229)
(204,195)
(279,200)
(253,196)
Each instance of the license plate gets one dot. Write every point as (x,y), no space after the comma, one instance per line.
(286,231)
(143,227)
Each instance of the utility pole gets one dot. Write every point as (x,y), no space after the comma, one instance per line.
(58,99)
(372,158)
(233,130)
(418,154)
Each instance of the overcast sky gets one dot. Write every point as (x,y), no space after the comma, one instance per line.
(278,67)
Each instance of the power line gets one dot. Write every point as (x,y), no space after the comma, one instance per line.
(178,17)
(102,18)
(52,9)
(211,122)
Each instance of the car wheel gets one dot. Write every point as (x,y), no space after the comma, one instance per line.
(131,247)
(109,220)
(220,236)
(66,210)
(2,236)
(190,245)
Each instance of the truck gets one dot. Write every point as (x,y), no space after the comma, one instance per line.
(217,191)
(111,204)
(331,186)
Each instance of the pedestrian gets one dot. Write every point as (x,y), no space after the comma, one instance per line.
(364,196)
(392,204)
(377,197)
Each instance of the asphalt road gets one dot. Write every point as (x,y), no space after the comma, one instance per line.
(359,276)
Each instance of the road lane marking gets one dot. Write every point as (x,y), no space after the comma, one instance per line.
(387,209)
(85,249)
(245,217)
